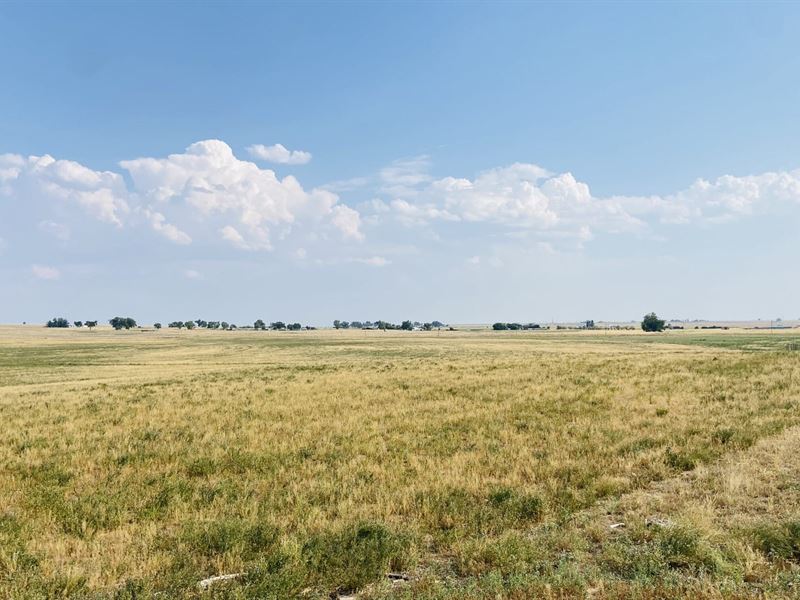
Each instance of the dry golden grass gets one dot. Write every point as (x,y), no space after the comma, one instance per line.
(481,464)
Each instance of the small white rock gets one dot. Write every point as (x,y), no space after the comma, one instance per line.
(206,583)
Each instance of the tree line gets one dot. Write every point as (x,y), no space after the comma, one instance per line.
(62,322)
(119,323)
(650,323)
(404,326)
(515,326)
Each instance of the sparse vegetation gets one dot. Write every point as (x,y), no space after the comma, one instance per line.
(479,465)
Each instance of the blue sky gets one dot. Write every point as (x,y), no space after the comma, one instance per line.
(462,162)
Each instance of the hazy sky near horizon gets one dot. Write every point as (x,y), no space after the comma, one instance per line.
(462,162)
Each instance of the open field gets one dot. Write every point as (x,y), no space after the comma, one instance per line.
(480,465)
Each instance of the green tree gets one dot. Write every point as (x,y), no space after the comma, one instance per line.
(122,323)
(651,322)
(499,326)
(91,324)
(259,324)
(189,324)
(58,322)
(157,325)
(407,326)
(78,323)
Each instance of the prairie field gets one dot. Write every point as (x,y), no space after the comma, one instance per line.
(369,464)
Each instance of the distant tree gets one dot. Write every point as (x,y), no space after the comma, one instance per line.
(231,327)
(589,324)
(514,326)
(176,325)
(91,324)
(277,325)
(407,326)
(651,322)
(345,325)
(189,324)
(213,325)
(224,325)
(259,324)
(58,322)
(78,323)
(337,324)
(500,326)
(294,327)
(427,326)
(157,325)
(201,323)
(437,324)
(122,323)
(356,325)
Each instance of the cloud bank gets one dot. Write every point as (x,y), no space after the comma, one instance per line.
(527,197)
(207,195)
(205,185)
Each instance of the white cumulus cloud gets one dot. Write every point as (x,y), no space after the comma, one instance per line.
(259,240)
(527,197)
(278,153)
(169,231)
(209,182)
(348,221)
(101,194)
(207,195)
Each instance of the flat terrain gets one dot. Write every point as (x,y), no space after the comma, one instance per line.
(477,465)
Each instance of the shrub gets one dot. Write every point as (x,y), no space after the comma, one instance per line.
(680,460)
(349,558)
(218,537)
(682,547)
(781,540)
